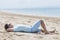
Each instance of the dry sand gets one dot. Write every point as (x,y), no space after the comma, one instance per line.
(51,23)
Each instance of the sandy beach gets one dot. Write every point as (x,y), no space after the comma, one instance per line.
(51,23)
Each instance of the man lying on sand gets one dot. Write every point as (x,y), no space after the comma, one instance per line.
(23,28)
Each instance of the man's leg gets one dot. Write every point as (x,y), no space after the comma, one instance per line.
(44,28)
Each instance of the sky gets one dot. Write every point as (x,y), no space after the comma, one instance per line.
(9,4)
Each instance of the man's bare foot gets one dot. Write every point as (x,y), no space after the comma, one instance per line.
(48,32)
(53,31)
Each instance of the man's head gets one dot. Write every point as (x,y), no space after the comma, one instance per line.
(8,26)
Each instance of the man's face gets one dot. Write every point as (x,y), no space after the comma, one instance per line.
(10,26)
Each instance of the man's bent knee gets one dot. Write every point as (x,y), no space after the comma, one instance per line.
(41,21)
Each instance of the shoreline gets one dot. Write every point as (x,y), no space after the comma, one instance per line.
(27,15)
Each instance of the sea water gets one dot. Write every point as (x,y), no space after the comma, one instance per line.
(49,12)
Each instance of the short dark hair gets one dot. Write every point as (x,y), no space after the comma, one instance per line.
(6,26)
